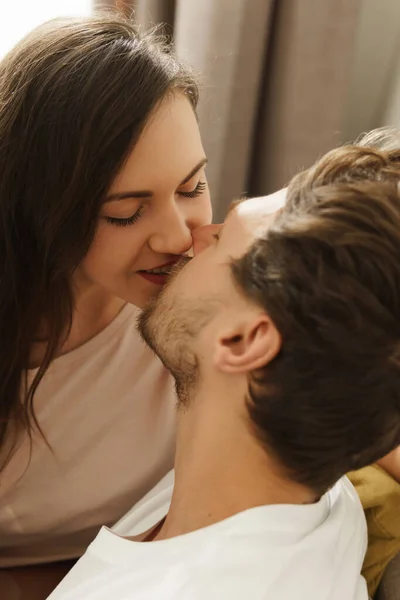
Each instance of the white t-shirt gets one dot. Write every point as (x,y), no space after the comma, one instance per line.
(280,552)
(108,412)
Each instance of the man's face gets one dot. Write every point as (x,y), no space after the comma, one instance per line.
(184,323)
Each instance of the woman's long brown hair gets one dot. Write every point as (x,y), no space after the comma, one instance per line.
(75,95)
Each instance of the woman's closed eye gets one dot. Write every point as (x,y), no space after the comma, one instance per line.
(126,221)
(197,191)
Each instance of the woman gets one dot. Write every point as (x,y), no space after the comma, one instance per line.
(101,183)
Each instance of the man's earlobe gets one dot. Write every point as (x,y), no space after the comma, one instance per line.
(249,346)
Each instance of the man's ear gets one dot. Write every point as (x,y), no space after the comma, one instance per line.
(253,343)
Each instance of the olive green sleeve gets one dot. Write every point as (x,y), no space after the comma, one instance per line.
(380,496)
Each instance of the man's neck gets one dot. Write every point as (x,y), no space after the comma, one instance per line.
(222,470)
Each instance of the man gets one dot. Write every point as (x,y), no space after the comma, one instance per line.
(283,336)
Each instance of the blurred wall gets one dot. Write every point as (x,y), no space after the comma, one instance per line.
(374,91)
(391,107)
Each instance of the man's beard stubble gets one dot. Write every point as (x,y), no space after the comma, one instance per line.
(163,327)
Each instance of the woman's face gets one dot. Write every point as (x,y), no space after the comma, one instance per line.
(159,196)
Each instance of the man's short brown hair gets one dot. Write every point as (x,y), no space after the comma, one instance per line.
(328,274)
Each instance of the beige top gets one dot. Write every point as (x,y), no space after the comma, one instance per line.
(108,411)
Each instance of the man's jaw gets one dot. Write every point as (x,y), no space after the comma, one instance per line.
(178,266)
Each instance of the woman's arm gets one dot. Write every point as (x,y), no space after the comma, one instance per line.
(32,583)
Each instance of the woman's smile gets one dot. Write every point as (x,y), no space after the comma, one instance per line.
(158,275)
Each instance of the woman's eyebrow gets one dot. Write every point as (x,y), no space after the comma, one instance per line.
(194,170)
(123,195)
(148,193)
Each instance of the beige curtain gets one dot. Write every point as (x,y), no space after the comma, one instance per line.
(274,76)
(374,92)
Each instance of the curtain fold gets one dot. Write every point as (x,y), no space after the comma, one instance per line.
(225,42)
(307,76)
(150,12)
(274,76)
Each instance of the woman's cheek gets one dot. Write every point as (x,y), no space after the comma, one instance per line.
(109,250)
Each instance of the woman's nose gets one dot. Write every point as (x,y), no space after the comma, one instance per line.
(172,233)
(203,237)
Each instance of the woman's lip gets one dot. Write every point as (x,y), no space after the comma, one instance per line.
(167,264)
(157,278)
(153,277)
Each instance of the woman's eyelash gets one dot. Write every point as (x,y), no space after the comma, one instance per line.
(125,222)
(198,190)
